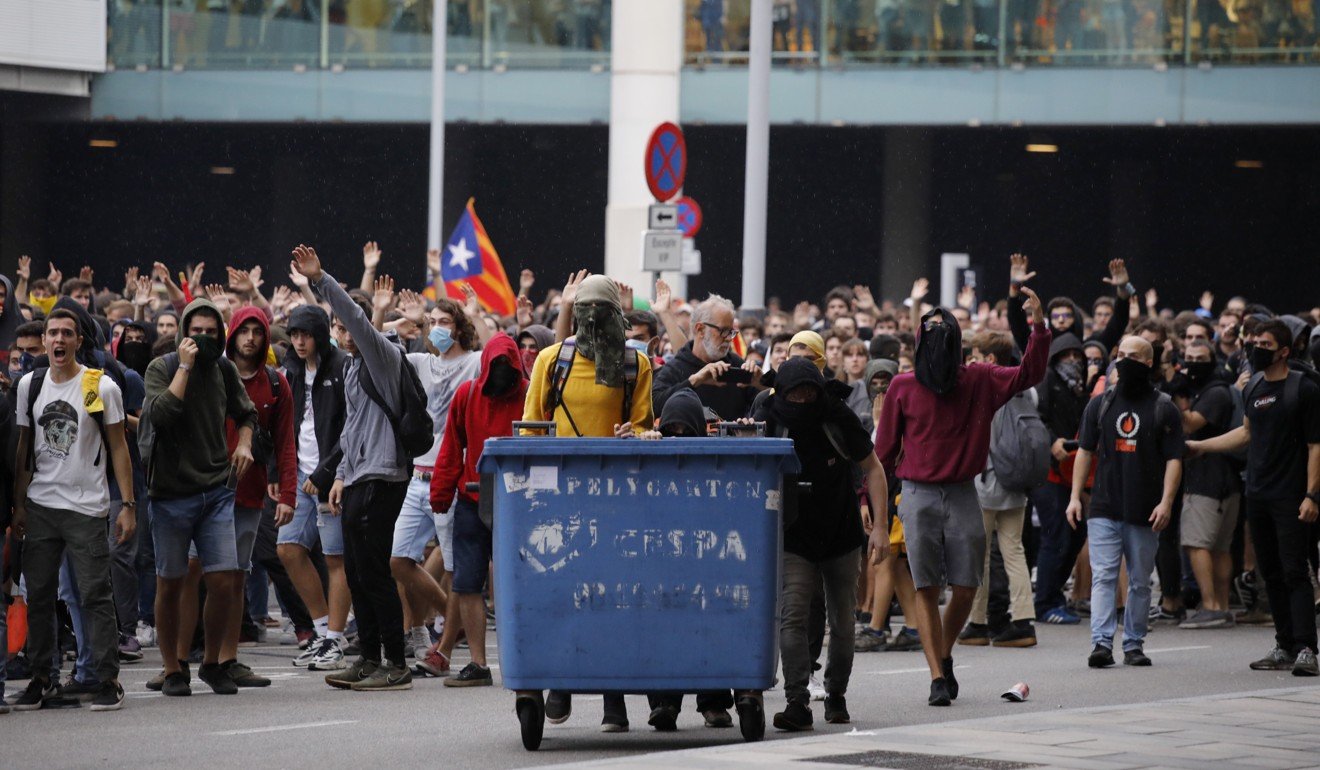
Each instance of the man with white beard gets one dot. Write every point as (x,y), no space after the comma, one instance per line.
(722,380)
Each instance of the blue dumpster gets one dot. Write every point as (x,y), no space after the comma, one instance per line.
(636,566)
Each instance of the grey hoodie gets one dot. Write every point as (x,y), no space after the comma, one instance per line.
(370,451)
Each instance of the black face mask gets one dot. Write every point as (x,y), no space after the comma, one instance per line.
(1133,377)
(208,350)
(1262,359)
(1199,372)
(501,377)
(797,416)
(1072,373)
(135,354)
(938,356)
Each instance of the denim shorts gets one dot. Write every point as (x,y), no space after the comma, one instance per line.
(472,548)
(246,523)
(416,523)
(945,533)
(309,524)
(207,519)
(444,537)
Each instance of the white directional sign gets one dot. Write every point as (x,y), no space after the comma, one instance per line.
(662,250)
(662,216)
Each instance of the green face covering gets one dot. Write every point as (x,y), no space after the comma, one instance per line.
(600,338)
(208,349)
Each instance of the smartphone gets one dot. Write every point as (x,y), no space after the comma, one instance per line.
(231,481)
(736,377)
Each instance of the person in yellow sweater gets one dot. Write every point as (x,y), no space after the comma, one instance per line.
(606,393)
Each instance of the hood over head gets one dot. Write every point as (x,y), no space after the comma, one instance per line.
(1062,343)
(544,336)
(10,318)
(201,303)
(1301,332)
(878,366)
(684,408)
(795,372)
(93,339)
(598,288)
(814,343)
(314,321)
(1100,346)
(236,322)
(501,346)
(135,355)
(938,357)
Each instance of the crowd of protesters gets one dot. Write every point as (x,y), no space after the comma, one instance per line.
(175,449)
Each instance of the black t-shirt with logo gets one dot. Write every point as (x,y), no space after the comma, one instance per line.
(1132,442)
(1211,475)
(1276,457)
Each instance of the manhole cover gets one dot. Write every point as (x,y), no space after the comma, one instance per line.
(901,760)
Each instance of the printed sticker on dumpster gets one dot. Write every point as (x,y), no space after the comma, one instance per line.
(543,477)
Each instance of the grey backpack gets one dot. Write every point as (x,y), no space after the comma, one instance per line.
(1020,444)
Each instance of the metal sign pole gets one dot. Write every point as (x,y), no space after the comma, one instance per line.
(758,157)
(436,182)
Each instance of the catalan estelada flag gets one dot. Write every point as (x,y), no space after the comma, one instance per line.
(470,258)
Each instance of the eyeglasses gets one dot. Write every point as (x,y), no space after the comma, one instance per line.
(726,332)
(1061,316)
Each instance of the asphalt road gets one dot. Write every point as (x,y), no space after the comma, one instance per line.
(299,722)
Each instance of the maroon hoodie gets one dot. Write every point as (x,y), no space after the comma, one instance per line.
(473,418)
(945,439)
(273,415)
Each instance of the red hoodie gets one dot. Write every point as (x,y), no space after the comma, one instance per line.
(473,418)
(945,439)
(273,415)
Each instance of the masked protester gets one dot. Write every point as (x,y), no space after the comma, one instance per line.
(934,434)
(483,408)
(532,341)
(592,393)
(133,346)
(1135,435)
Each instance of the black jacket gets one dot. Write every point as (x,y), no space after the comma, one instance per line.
(1109,336)
(327,395)
(728,401)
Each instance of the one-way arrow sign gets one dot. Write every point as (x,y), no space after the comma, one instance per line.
(663,216)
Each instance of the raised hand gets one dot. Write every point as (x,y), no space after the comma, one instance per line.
(306,263)
(297,279)
(920,288)
(1207,301)
(1118,274)
(664,297)
(471,305)
(370,255)
(523,314)
(1152,298)
(130,280)
(24,267)
(195,276)
(433,261)
(571,287)
(802,314)
(55,276)
(1018,272)
(526,279)
(865,300)
(413,306)
(966,298)
(625,296)
(142,291)
(255,275)
(383,297)
(1033,306)
(281,299)
(86,274)
(240,281)
(216,293)
(159,272)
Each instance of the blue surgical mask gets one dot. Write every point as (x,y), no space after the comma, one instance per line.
(26,363)
(441,339)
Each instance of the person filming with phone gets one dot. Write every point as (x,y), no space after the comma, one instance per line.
(722,380)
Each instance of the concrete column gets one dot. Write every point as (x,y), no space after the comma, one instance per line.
(647,44)
(905,242)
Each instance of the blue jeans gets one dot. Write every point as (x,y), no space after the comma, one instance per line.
(206,519)
(1059,545)
(1111,542)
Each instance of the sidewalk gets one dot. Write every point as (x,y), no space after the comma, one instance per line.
(1264,729)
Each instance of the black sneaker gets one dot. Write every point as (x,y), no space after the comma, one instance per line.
(72,688)
(664,719)
(717,718)
(951,682)
(387,677)
(1135,658)
(109,697)
(1020,633)
(1277,660)
(975,635)
(795,718)
(217,677)
(615,719)
(345,678)
(558,707)
(1305,664)
(156,682)
(472,675)
(1101,657)
(34,697)
(939,693)
(177,684)
(836,710)
(243,676)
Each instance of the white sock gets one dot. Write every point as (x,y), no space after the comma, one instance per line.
(322,625)
(335,634)
(419,632)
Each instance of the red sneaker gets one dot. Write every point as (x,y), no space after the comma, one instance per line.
(434,664)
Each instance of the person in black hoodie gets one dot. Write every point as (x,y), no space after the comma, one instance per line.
(1065,316)
(315,372)
(703,363)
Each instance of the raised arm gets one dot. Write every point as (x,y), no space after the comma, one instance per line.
(381,355)
(1112,334)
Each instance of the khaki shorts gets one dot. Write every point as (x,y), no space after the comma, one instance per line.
(1209,523)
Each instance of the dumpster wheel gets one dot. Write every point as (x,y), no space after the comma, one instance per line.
(530,706)
(751,716)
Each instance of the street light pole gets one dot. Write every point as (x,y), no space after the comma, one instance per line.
(756,196)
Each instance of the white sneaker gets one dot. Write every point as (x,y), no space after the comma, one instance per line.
(308,655)
(417,643)
(330,656)
(146,634)
(815,687)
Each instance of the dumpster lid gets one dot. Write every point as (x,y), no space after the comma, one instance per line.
(541,446)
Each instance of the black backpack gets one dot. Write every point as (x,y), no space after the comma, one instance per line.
(414,430)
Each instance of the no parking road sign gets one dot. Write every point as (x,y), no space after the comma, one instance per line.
(666,161)
(689,216)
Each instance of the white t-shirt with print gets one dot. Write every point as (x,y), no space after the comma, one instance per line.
(71,458)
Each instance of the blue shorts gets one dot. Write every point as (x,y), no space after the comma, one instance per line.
(246,523)
(416,523)
(207,519)
(311,522)
(472,548)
